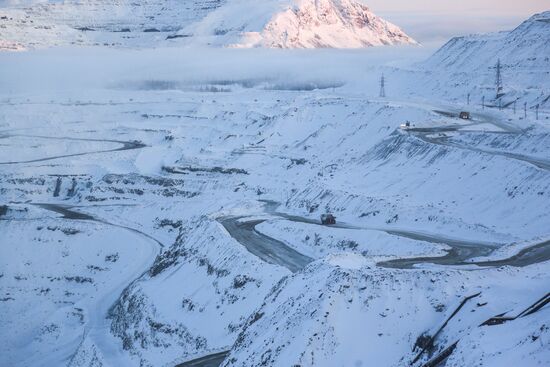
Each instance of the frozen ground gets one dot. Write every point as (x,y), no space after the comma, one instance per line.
(158,207)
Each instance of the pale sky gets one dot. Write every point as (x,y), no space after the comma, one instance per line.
(433,22)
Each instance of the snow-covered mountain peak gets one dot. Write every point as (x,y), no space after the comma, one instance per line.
(331,23)
(302,24)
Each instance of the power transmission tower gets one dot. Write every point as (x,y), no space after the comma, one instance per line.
(382,87)
(499,79)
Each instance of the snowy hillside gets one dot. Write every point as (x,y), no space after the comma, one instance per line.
(235,23)
(343,312)
(121,23)
(212,192)
(467,64)
(164,206)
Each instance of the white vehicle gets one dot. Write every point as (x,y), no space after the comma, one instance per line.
(405,126)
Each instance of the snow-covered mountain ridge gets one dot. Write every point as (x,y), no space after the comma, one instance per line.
(332,23)
(303,24)
(467,64)
(236,23)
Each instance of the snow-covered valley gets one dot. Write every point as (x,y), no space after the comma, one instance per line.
(162,208)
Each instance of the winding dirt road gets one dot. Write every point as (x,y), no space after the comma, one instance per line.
(67,212)
(211,360)
(266,248)
(126,145)
(276,252)
(436,135)
(427,135)
(97,326)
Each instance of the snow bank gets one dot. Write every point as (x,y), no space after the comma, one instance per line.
(341,312)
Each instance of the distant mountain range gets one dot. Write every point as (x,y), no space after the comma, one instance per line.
(220,23)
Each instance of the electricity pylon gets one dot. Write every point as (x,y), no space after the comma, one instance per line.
(499,79)
(382,87)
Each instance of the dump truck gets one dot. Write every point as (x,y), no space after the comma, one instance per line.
(464,115)
(328,219)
